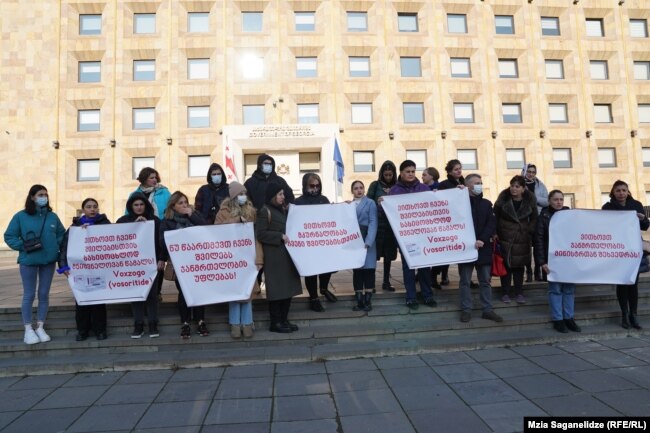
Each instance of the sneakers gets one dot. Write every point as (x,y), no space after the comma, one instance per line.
(186,332)
(505,299)
(465,316)
(386,287)
(235,331)
(430,302)
(42,335)
(315,305)
(572,325)
(412,305)
(491,315)
(31,337)
(560,326)
(138,331)
(202,330)
(331,297)
(153,330)
(520,299)
(247,331)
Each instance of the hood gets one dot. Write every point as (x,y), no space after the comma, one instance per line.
(215,166)
(261,159)
(148,207)
(388,165)
(305,186)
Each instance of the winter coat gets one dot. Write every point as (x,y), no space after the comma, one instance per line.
(541,234)
(209,197)
(160,197)
(130,217)
(630,204)
(484,226)
(51,236)
(386,244)
(367,217)
(541,194)
(515,228)
(451,183)
(170,224)
(100,219)
(307,198)
(280,274)
(257,183)
(404,188)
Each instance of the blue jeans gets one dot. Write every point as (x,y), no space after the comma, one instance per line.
(240,313)
(29,275)
(424,278)
(485,289)
(561,297)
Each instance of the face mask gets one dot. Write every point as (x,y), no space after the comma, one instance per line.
(216,179)
(41,201)
(267,168)
(314,193)
(242,199)
(478,189)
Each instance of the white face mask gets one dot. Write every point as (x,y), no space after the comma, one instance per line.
(216,179)
(478,189)
(41,201)
(242,199)
(267,168)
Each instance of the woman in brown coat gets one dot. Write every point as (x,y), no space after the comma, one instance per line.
(516,213)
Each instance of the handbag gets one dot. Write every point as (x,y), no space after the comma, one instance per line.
(498,265)
(169,274)
(33,243)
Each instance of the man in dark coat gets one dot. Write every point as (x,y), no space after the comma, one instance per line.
(484,228)
(209,196)
(264,175)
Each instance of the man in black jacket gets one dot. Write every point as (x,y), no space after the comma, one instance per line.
(265,174)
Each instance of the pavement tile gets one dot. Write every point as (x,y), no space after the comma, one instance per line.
(188,391)
(597,380)
(486,391)
(638,375)
(428,397)
(574,405)
(197,374)
(625,343)
(299,368)
(131,393)
(463,372)
(302,385)
(434,359)
(176,414)
(611,359)
(363,402)
(456,420)
(47,381)
(245,371)
(21,399)
(513,368)
(541,385)
(642,353)
(560,363)
(395,422)
(237,428)
(581,346)
(111,417)
(357,381)
(350,365)
(312,426)
(255,410)
(72,397)
(302,408)
(407,377)
(49,420)
(389,362)
(6,382)
(93,379)
(507,417)
(633,402)
(493,354)
(251,387)
(7,417)
(538,350)
(185,429)
(146,376)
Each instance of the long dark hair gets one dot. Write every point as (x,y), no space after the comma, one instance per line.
(616,185)
(30,205)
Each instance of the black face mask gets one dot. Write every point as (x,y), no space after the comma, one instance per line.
(313,193)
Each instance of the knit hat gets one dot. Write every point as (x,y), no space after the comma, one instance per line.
(271,191)
(235,188)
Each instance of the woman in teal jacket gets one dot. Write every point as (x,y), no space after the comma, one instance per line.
(157,194)
(35,221)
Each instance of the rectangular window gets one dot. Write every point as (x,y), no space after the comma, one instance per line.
(251,21)
(198,69)
(90,72)
(557,113)
(505,24)
(413,112)
(460,67)
(306,67)
(90,24)
(419,157)
(144,118)
(407,22)
(87,170)
(645,152)
(644,113)
(594,27)
(253,114)
(464,112)
(144,70)
(603,113)
(570,200)
(361,113)
(138,163)
(144,23)
(604,197)
(308,113)
(550,26)
(642,70)
(468,158)
(357,22)
(508,68)
(198,165)
(410,66)
(456,23)
(198,117)
(554,69)
(639,28)
(359,66)
(364,162)
(88,120)
(305,21)
(515,158)
(198,22)
(511,113)
(309,162)
(598,70)
(562,158)
(606,157)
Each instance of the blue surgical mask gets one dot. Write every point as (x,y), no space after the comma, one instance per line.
(41,201)
(216,179)
(242,199)
(267,168)
(478,189)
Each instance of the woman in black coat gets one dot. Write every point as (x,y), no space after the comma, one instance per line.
(209,196)
(628,295)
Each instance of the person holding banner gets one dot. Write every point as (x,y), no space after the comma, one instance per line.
(140,210)
(237,208)
(430,176)
(312,188)
(561,296)
(516,213)
(628,295)
(209,197)
(455,179)
(408,183)
(363,279)
(156,193)
(280,274)
(36,233)
(386,243)
(179,215)
(88,317)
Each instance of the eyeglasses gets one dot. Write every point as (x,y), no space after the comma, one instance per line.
(531,172)
(314,185)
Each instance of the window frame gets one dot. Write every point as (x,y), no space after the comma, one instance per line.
(554,62)
(515,164)
(190,109)
(601,63)
(609,113)
(464,105)
(143,62)
(607,164)
(466,164)
(142,126)
(639,21)
(507,118)
(306,120)
(407,107)
(248,25)
(253,107)
(405,65)
(356,167)
(198,171)
(562,163)
(550,31)
(642,64)
(356,15)
(144,16)
(198,15)
(355,74)
(557,105)
(589,27)
(195,62)
(91,32)
(81,178)
(509,61)
(307,73)
(411,15)
(451,27)
(80,115)
(355,106)
(453,60)
(511,27)
(87,75)
(308,27)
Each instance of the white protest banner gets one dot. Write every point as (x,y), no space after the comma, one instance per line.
(214,263)
(432,228)
(324,238)
(111,263)
(594,246)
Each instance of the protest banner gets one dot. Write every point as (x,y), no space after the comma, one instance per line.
(111,263)
(432,228)
(213,263)
(324,238)
(594,246)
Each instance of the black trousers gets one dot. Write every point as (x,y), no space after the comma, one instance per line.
(628,297)
(90,318)
(151,304)
(279,310)
(188,313)
(312,284)
(363,279)
(443,270)
(515,275)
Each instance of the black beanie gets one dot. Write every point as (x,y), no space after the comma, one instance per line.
(271,191)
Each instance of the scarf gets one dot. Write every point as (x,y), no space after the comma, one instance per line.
(86,220)
(182,220)
(149,192)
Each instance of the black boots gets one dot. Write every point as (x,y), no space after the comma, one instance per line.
(367,301)
(361,305)
(634,322)
(572,325)
(331,297)
(560,326)
(625,322)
